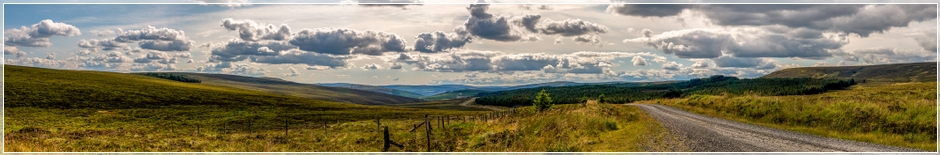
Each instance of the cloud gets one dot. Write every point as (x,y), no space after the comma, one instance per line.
(489,26)
(232,68)
(647,10)
(38,34)
(237,50)
(767,42)
(394,3)
(431,42)
(12,50)
(42,62)
(726,61)
(227,3)
(151,33)
(700,64)
(588,39)
(346,41)
(638,61)
(859,19)
(293,72)
(584,62)
(105,44)
(371,66)
(395,66)
(302,57)
(176,45)
(570,27)
(672,65)
(162,57)
(926,40)
(888,56)
(250,31)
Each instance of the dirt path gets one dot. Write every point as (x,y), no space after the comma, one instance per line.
(708,134)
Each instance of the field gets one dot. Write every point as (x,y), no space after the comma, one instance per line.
(898,114)
(86,111)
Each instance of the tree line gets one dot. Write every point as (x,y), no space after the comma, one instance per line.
(629,92)
(175,77)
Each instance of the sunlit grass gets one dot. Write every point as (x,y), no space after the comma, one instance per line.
(900,114)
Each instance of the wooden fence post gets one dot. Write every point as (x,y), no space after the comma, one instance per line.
(378,125)
(388,142)
(286,127)
(249,127)
(427,120)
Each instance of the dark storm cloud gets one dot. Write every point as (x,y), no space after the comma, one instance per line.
(346,41)
(727,61)
(570,27)
(38,34)
(431,42)
(927,40)
(251,31)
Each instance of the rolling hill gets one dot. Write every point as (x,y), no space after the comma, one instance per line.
(374,89)
(908,72)
(454,94)
(311,91)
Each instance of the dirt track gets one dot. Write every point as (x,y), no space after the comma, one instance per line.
(708,134)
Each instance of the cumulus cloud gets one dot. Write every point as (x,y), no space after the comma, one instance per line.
(232,68)
(38,34)
(395,66)
(672,65)
(726,61)
(250,31)
(293,72)
(237,50)
(371,66)
(588,39)
(709,43)
(859,19)
(638,61)
(42,62)
(176,45)
(488,26)
(162,57)
(12,50)
(105,44)
(926,40)
(346,41)
(570,27)
(700,63)
(431,42)
(302,57)
(151,33)
(888,56)
(583,62)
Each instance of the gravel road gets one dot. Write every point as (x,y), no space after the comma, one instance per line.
(709,134)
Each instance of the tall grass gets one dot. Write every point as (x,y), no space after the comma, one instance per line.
(565,128)
(902,114)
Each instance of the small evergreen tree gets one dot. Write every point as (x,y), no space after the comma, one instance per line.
(542,101)
(600,99)
(584,100)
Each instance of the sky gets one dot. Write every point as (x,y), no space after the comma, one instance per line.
(473,42)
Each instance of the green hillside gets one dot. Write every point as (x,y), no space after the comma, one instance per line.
(909,72)
(312,91)
(453,94)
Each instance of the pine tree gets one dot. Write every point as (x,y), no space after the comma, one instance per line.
(542,101)
(600,99)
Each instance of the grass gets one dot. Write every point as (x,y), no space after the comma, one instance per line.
(565,128)
(899,114)
(908,72)
(452,104)
(88,111)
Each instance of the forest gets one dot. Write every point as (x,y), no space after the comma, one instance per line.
(625,93)
(175,77)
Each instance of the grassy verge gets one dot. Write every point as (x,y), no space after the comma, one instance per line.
(172,129)
(902,114)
